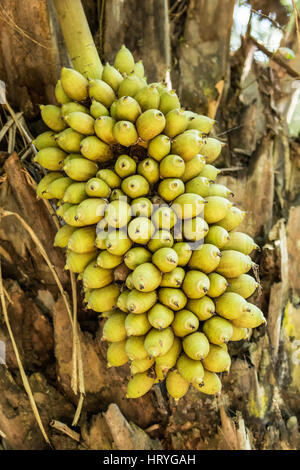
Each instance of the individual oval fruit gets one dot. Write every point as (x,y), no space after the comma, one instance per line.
(146,277)
(111,76)
(176,385)
(204,308)
(140,302)
(195,284)
(124,61)
(192,371)
(172,298)
(231,305)
(211,383)
(193,167)
(141,207)
(140,230)
(127,109)
(185,322)
(171,166)
(80,169)
(137,325)
(160,239)
(234,216)
(135,186)
(118,213)
(63,235)
(141,365)
(74,84)
(75,193)
(188,205)
(233,264)
(215,208)
(240,242)
(95,277)
(170,188)
(165,259)
(107,260)
(149,169)
(174,278)
(104,126)
(135,348)
(51,158)
(125,166)
(116,355)
(187,146)
(251,318)
(139,385)
(52,117)
(160,316)
(210,148)
(217,236)
(218,285)
(46,139)
(176,122)
(164,218)
(150,124)
(159,147)
(218,330)
(104,299)
(217,360)
(137,256)
(205,258)
(82,240)
(196,346)
(96,187)
(243,285)
(158,342)
(101,91)
(80,122)
(77,262)
(199,185)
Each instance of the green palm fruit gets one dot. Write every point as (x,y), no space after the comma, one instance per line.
(52,117)
(173,298)
(231,306)
(211,149)
(196,346)
(139,385)
(173,278)
(95,277)
(164,218)
(141,365)
(218,330)
(42,187)
(161,87)
(140,302)
(149,169)
(60,95)
(150,124)
(251,318)
(217,236)
(137,325)
(117,213)
(101,91)
(240,242)
(187,146)
(239,333)
(130,86)
(95,187)
(137,256)
(75,193)
(165,259)
(205,258)
(77,262)
(233,218)
(160,316)
(204,308)
(211,383)
(210,172)
(91,210)
(128,282)
(219,190)
(233,264)
(141,207)
(81,122)
(58,187)
(193,167)
(201,123)
(117,194)
(124,61)
(117,242)
(63,208)
(70,216)
(116,355)
(122,301)
(69,140)
(127,109)
(172,166)
(111,76)
(114,328)
(80,169)
(148,98)
(161,238)
(125,166)
(217,360)
(104,126)
(103,299)
(139,69)
(94,149)
(195,284)
(62,236)
(74,84)
(218,285)
(168,101)
(110,178)
(199,185)
(146,277)
(159,147)
(176,122)
(72,107)
(216,209)
(98,109)
(135,348)
(112,110)
(82,240)
(192,371)
(51,158)
(100,239)
(184,252)
(185,322)
(107,260)
(168,360)
(159,342)
(243,285)
(46,139)
(170,188)
(176,385)
(140,230)
(195,229)
(125,133)
(73,156)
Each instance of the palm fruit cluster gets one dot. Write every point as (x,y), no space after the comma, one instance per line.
(133,180)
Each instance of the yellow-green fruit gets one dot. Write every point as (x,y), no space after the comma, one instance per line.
(201,123)
(170,188)
(124,61)
(168,101)
(149,168)
(172,297)
(80,169)
(100,239)
(141,207)
(130,86)
(217,360)
(176,122)
(173,278)
(46,139)
(104,299)
(166,259)
(137,256)
(240,242)
(62,236)
(112,110)
(51,158)
(81,122)
(52,117)
(211,149)
(135,348)
(63,208)
(95,187)
(243,285)
(101,91)
(72,107)
(74,84)
(159,342)
(107,260)
(233,218)
(252,318)
(219,190)
(125,133)
(82,240)
(233,264)
(218,330)
(58,187)
(70,217)
(217,236)
(77,262)
(94,149)
(239,333)
(168,360)
(117,194)
(148,97)
(140,302)
(139,69)
(141,365)
(116,355)
(231,305)
(139,385)
(60,95)
(98,109)
(127,109)
(69,140)
(95,277)
(205,258)
(140,230)
(111,76)
(117,213)
(122,301)
(195,284)
(210,172)
(184,253)
(195,229)
(137,325)
(185,322)
(193,167)
(73,156)
(159,147)
(216,208)
(199,185)
(110,178)
(218,285)
(114,328)
(91,211)
(104,126)
(125,166)
(150,124)
(164,218)
(204,308)
(42,187)
(161,238)
(172,166)
(117,242)
(211,383)
(188,205)
(75,193)
(160,316)
(196,346)
(146,277)
(186,145)
(176,385)
(192,371)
